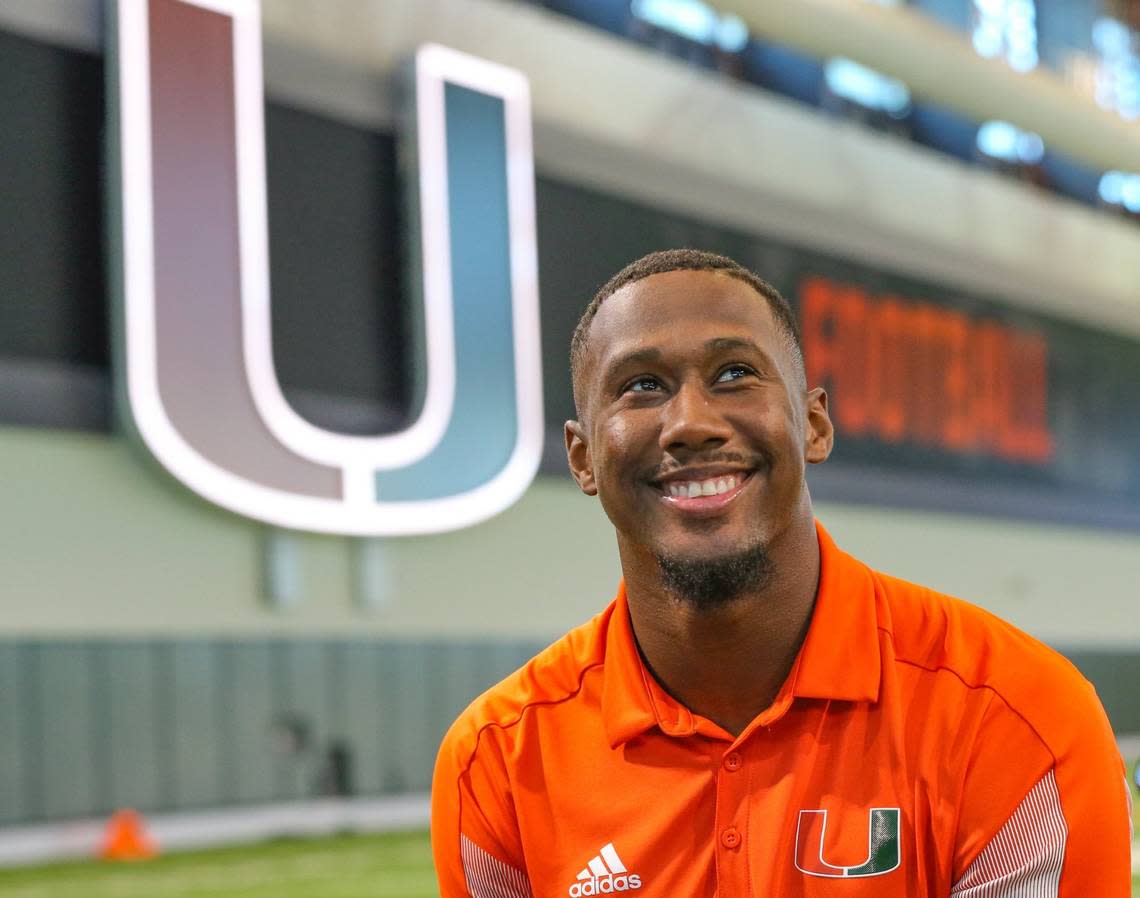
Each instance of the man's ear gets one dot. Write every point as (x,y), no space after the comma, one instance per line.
(578,457)
(819,433)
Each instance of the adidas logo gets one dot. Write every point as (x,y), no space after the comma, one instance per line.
(604,874)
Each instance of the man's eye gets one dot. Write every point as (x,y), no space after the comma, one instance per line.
(733,372)
(642,385)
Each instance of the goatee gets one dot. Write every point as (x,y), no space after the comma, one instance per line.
(708,583)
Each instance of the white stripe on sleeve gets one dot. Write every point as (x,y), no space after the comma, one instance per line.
(1024,858)
(489,877)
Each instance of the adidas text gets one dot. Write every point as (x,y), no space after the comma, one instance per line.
(604,885)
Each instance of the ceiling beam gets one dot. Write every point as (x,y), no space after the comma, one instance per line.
(940,66)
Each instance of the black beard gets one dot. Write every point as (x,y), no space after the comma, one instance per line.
(708,583)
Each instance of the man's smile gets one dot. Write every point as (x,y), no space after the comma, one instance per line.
(697,491)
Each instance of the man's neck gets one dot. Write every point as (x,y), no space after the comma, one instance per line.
(727,663)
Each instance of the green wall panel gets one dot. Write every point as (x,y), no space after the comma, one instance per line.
(302,698)
(131,718)
(360,726)
(249,767)
(403,678)
(13,734)
(196,715)
(67,774)
(86,727)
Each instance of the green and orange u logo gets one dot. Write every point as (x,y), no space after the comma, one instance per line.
(882,845)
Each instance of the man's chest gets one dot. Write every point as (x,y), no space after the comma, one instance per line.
(793,811)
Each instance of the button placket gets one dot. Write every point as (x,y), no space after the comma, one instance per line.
(732,861)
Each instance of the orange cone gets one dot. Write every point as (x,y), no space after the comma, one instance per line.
(126,838)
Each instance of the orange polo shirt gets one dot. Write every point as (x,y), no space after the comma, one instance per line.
(919,747)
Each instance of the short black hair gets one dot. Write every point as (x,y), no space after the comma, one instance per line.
(663,261)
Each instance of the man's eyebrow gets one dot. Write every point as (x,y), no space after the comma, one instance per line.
(636,357)
(719,344)
(651,354)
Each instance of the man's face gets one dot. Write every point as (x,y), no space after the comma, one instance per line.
(696,427)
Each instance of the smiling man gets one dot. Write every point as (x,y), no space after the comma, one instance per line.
(756,712)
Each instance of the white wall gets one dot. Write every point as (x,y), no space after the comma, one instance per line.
(94,541)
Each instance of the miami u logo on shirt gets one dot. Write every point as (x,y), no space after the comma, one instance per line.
(882,844)
(193,315)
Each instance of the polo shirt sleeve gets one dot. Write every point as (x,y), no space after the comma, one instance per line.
(1044,806)
(474,830)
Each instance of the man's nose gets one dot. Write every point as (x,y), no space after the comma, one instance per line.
(692,420)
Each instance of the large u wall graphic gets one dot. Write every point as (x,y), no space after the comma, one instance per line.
(195,350)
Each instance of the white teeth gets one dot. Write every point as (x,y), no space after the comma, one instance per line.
(691,489)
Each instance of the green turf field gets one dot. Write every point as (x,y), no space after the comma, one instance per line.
(388,866)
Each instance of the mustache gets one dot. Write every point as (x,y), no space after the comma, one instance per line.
(708,458)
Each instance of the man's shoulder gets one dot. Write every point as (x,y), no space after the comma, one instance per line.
(553,676)
(939,633)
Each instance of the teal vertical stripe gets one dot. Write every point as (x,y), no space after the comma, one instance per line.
(483,427)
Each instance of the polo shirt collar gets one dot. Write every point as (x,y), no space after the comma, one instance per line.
(839,658)
(629,691)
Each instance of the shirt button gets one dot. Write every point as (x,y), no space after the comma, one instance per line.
(733,761)
(730,837)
